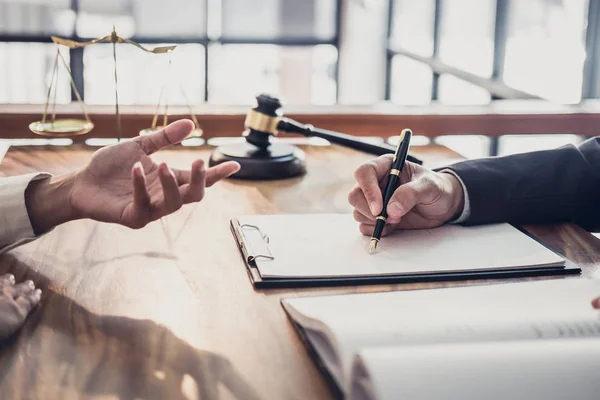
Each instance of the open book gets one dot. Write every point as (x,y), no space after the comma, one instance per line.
(514,340)
(327,249)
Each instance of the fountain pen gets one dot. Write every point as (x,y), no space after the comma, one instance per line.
(392,185)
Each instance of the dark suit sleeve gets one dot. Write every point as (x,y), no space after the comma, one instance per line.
(543,186)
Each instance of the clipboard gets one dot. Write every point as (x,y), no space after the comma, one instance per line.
(254,243)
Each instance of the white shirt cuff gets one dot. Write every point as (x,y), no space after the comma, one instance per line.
(466,212)
(15,225)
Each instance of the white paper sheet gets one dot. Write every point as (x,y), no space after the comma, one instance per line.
(330,245)
(521,370)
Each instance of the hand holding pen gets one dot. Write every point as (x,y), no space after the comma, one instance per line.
(424,199)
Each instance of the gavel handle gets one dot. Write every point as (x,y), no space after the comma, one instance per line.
(291,126)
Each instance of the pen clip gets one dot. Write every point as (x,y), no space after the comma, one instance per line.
(403,135)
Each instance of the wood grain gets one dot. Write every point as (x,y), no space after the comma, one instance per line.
(502,117)
(168,311)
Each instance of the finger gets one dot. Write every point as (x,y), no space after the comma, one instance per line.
(221,171)
(183,176)
(29,300)
(407,196)
(357,199)
(172,197)
(7,280)
(367,229)
(173,133)
(194,191)
(596,303)
(141,198)
(368,176)
(22,288)
(363,219)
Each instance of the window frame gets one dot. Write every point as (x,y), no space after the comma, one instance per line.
(495,85)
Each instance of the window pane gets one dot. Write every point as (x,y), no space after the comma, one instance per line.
(545,48)
(412,25)
(514,144)
(263,19)
(469,146)
(467,35)
(323,82)
(298,75)
(27,72)
(410,81)
(142,75)
(142,18)
(452,90)
(36,17)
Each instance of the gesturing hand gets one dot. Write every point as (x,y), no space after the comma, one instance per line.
(16,302)
(122,184)
(425,198)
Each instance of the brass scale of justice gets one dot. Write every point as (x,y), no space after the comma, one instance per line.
(259,156)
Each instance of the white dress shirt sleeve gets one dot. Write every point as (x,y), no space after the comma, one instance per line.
(15,226)
(467,208)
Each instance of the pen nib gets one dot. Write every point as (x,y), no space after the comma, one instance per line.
(372,246)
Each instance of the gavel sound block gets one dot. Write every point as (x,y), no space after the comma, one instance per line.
(260,158)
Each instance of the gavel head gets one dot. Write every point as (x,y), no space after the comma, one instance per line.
(261,122)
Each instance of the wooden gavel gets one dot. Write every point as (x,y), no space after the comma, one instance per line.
(265,120)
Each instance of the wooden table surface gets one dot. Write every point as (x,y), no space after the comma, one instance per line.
(168,312)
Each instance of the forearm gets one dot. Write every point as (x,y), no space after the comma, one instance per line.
(544,186)
(48,203)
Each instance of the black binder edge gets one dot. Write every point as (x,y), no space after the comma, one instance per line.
(335,390)
(291,283)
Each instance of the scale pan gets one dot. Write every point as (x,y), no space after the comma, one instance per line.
(197,132)
(62,127)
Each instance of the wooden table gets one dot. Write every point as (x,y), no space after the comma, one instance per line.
(168,311)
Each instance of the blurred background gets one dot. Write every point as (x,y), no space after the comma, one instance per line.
(311,52)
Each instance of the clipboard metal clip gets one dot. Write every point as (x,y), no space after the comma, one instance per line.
(251,256)
(263,235)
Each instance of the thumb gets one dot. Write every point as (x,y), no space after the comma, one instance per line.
(596,303)
(173,133)
(368,177)
(407,196)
